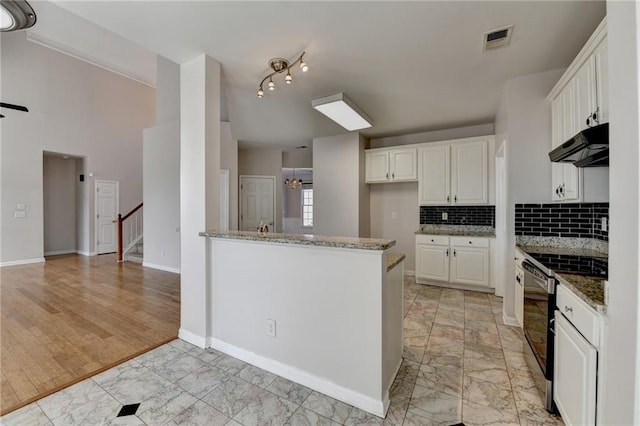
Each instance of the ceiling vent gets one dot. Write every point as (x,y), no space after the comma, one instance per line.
(497,38)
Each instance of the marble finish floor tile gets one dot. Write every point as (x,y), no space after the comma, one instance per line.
(266,409)
(461,363)
(289,390)
(327,407)
(200,414)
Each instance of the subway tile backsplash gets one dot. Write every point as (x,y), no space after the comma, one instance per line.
(581,220)
(459,215)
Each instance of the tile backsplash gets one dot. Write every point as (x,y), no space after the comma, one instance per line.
(581,220)
(458,215)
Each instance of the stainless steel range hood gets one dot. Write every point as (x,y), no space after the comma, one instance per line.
(589,148)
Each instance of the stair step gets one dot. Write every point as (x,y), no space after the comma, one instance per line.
(134,257)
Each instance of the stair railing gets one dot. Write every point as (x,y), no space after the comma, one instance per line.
(131,232)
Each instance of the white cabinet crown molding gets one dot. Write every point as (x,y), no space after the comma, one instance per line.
(585,53)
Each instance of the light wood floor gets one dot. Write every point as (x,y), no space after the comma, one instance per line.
(74,316)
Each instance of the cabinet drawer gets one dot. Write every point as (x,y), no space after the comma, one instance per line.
(583,318)
(434,240)
(469,242)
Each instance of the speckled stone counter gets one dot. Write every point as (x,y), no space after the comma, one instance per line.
(301,239)
(458,230)
(393,259)
(589,289)
(574,251)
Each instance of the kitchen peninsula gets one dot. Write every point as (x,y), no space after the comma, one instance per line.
(325,312)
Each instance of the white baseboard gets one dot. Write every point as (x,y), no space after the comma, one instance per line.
(59,252)
(192,338)
(457,286)
(507,320)
(161,267)
(322,385)
(22,262)
(86,253)
(410,273)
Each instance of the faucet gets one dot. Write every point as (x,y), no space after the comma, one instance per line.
(263,227)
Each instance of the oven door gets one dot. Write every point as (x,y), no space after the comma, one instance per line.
(539,304)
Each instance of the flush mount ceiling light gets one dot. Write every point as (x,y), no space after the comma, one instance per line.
(343,111)
(16,15)
(279,65)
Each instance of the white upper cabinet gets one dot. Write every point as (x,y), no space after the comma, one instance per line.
(434,185)
(391,165)
(377,166)
(578,101)
(404,165)
(454,174)
(469,173)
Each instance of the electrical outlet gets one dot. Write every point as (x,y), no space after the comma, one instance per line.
(604,224)
(22,206)
(20,214)
(162,253)
(445,216)
(271,328)
(394,215)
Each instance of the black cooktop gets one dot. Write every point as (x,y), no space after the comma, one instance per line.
(574,264)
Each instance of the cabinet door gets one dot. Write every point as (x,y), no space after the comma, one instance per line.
(377,166)
(470,265)
(585,96)
(568,107)
(571,181)
(469,173)
(432,262)
(404,165)
(575,373)
(602,81)
(434,181)
(519,294)
(557,122)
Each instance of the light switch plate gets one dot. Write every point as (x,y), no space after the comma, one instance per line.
(604,224)
(394,215)
(445,216)
(22,206)
(19,214)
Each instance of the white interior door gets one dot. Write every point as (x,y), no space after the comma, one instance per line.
(257,202)
(107,206)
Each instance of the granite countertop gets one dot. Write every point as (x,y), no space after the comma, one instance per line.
(589,289)
(393,259)
(458,230)
(302,239)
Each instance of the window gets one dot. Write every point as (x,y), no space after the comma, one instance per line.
(307,207)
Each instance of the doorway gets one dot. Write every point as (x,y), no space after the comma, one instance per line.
(107,207)
(257,202)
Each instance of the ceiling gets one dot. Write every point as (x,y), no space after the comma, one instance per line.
(411,66)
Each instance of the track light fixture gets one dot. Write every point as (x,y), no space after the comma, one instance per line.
(280,65)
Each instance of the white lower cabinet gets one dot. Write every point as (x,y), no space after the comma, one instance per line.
(574,385)
(453,259)
(577,343)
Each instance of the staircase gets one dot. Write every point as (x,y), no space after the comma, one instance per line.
(136,253)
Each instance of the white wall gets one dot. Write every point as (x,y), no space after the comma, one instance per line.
(401,198)
(59,188)
(264,162)
(161,171)
(621,398)
(298,158)
(75,108)
(229,161)
(524,121)
(83,200)
(341,199)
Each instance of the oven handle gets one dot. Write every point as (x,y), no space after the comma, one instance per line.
(547,283)
(552,327)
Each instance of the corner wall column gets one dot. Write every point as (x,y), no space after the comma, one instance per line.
(199,190)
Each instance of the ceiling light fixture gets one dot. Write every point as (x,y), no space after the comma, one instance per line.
(280,65)
(343,111)
(293,183)
(16,15)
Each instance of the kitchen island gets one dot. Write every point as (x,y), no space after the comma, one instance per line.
(325,312)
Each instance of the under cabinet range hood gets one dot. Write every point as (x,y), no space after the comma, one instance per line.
(589,148)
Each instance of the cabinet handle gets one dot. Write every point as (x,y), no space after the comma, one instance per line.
(393,175)
(558,192)
(470,242)
(593,118)
(454,253)
(387,175)
(518,279)
(447,198)
(447,251)
(455,198)
(432,240)
(568,308)
(562,190)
